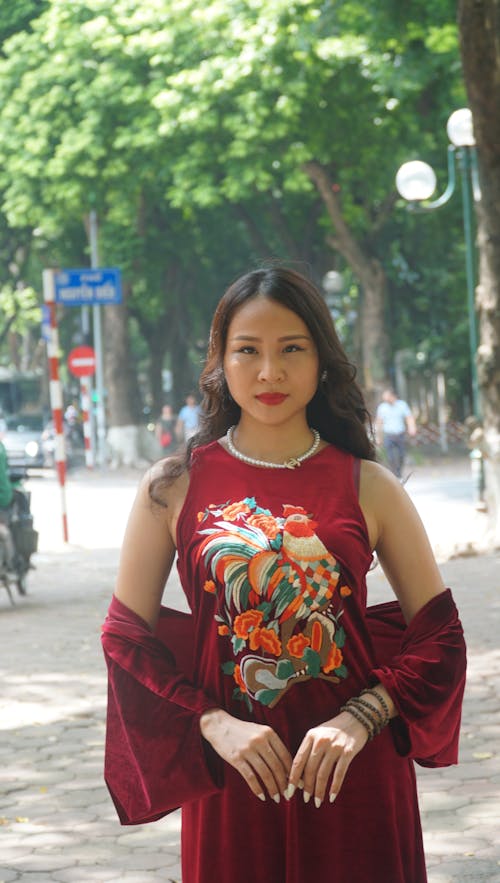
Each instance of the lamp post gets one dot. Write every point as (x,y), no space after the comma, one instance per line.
(416,182)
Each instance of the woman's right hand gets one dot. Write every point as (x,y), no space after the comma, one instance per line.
(254,750)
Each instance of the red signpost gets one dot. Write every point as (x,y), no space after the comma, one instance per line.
(82,363)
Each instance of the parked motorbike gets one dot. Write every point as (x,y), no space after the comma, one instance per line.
(18,539)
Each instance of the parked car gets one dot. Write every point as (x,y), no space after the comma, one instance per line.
(23,437)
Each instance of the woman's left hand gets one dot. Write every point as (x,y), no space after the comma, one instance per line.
(326,749)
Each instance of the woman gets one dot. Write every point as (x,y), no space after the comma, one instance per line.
(295,731)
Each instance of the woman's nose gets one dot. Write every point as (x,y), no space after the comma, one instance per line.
(271,369)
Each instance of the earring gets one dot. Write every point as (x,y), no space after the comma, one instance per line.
(324,376)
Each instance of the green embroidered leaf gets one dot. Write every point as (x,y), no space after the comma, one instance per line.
(340,637)
(239,644)
(266,696)
(228,668)
(313,662)
(341,671)
(247,700)
(284,669)
(266,608)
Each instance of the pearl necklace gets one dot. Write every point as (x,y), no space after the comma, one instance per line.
(288,464)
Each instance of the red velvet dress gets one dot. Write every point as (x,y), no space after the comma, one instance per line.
(273,564)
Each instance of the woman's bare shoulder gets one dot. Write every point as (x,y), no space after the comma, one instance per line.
(162,486)
(377,481)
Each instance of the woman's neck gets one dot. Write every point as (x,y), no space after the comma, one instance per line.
(275,444)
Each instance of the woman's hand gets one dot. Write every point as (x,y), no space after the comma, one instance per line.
(329,747)
(256,751)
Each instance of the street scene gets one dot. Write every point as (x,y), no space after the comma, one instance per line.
(236,239)
(57,822)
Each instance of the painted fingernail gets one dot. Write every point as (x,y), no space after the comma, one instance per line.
(261,796)
(289,791)
(306,796)
(276,798)
(332,797)
(301,783)
(317,802)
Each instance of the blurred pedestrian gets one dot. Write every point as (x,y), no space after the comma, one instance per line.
(394,421)
(188,419)
(6,497)
(165,430)
(283,715)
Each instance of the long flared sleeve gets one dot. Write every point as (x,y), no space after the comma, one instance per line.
(155,756)
(422,666)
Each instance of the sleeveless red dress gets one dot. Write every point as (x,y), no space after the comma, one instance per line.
(273,563)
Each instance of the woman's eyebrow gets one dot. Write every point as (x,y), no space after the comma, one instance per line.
(280,339)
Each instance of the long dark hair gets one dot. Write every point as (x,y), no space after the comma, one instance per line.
(337,408)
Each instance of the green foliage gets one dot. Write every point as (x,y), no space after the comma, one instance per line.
(187,125)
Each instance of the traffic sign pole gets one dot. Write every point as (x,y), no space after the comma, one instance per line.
(97,325)
(87,433)
(56,396)
(81,363)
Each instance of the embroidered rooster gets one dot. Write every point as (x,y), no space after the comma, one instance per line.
(278,582)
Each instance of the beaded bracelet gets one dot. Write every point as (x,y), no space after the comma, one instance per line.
(367,722)
(381,699)
(382,718)
(376,722)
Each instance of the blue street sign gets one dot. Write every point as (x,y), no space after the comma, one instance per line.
(87,287)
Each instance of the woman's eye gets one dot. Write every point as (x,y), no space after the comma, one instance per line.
(293,348)
(247,349)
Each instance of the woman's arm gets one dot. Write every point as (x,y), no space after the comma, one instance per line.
(148,548)
(398,536)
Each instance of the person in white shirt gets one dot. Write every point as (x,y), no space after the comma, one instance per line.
(394,421)
(188,419)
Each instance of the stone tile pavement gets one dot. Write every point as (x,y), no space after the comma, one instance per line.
(57,822)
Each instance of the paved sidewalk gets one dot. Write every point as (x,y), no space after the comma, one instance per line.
(57,822)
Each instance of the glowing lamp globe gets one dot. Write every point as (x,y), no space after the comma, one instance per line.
(416,181)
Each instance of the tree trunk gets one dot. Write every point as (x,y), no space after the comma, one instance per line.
(123,397)
(371,275)
(479,24)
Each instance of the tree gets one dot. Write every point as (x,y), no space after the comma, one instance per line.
(479,22)
(211,137)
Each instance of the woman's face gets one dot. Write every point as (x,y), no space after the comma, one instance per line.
(271,362)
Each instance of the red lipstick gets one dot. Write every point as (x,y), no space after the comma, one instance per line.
(271,398)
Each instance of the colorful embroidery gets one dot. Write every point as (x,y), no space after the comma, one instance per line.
(279,598)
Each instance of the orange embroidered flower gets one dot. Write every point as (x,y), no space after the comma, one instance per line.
(200,516)
(297,644)
(223,630)
(230,513)
(250,619)
(345,591)
(265,639)
(266,523)
(239,680)
(334,659)
(209,586)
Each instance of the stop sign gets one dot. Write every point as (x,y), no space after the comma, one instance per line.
(81,361)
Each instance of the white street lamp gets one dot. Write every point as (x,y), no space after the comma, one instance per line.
(416,182)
